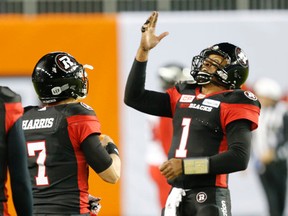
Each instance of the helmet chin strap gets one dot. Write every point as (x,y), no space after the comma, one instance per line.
(215,82)
(219,83)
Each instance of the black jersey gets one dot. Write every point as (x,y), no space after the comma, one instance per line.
(200,122)
(217,126)
(13,155)
(58,168)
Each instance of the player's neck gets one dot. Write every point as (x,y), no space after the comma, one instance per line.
(211,88)
(67,101)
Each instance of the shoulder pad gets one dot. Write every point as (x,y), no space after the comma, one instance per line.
(86,106)
(241,96)
(27,108)
(79,109)
(9,96)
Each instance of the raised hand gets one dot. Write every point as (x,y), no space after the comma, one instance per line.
(149,39)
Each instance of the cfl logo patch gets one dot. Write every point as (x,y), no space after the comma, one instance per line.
(201,197)
(187,98)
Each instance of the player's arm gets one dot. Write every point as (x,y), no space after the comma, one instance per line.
(137,97)
(103,158)
(114,170)
(239,143)
(235,159)
(18,169)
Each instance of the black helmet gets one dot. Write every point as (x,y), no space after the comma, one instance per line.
(170,74)
(232,75)
(58,76)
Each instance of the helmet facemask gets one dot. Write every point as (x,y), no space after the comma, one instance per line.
(203,77)
(80,89)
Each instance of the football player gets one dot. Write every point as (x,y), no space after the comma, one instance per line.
(13,155)
(212,124)
(63,137)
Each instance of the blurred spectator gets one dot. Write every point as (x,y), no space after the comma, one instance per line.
(270,143)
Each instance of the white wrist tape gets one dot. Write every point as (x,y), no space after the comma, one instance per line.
(195,166)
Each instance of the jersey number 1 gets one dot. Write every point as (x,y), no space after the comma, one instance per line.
(181,152)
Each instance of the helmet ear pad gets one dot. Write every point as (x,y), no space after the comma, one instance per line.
(237,75)
(57,91)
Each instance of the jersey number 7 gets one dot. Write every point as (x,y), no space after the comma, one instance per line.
(39,146)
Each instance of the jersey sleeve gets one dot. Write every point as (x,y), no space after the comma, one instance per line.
(82,123)
(174,95)
(13,106)
(177,93)
(18,169)
(14,112)
(241,105)
(141,99)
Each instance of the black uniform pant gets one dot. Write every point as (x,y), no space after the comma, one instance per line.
(274,183)
(205,202)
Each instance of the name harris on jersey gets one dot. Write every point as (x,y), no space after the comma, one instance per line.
(37,123)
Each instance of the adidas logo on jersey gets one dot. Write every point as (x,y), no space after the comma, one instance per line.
(37,123)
